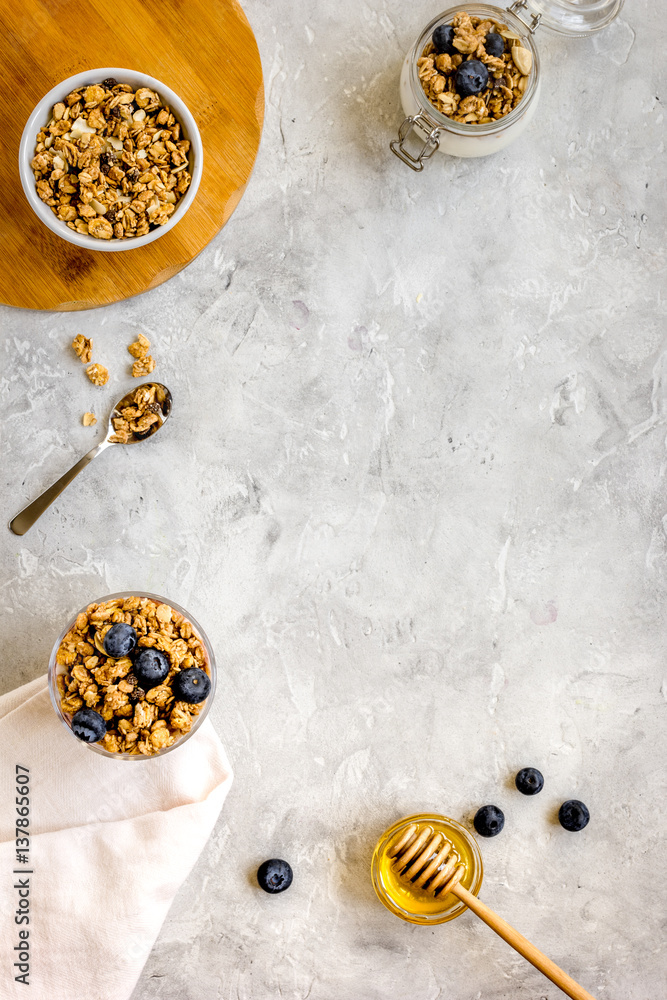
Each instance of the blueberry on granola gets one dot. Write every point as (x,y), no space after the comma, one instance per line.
(191,685)
(274,875)
(88,725)
(109,83)
(443,36)
(494,44)
(120,640)
(150,667)
(471,77)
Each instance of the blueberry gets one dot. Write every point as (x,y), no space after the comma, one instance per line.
(494,44)
(573,815)
(442,38)
(150,667)
(120,640)
(274,875)
(192,685)
(109,83)
(88,725)
(529,781)
(471,77)
(489,820)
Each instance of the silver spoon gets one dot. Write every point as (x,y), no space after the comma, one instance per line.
(160,406)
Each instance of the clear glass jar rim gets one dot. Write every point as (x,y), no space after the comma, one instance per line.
(442,122)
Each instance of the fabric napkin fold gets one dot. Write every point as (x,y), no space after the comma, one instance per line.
(111,841)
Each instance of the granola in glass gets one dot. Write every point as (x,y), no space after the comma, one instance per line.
(136,715)
(474,70)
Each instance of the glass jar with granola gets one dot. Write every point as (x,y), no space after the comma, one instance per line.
(132,676)
(470,84)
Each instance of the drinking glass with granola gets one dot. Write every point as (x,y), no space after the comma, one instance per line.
(132,676)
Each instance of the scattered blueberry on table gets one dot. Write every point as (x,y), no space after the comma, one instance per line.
(489,821)
(274,875)
(151,668)
(88,725)
(192,685)
(529,781)
(471,77)
(573,815)
(119,640)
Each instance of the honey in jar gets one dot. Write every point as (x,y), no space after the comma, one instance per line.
(406,900)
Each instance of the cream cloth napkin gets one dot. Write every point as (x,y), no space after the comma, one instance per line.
(111,842)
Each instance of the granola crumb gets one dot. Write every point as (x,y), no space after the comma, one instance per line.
(140,348)
(144,366)
(89,419)
(100,228)
(83,348)
(98,374)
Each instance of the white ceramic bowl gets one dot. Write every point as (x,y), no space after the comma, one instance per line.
(41,116)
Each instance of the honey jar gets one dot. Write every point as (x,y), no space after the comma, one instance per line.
(407,901)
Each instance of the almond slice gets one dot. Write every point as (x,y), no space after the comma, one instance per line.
(522,59)
(79,127)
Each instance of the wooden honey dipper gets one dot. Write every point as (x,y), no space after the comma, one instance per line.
(427,861)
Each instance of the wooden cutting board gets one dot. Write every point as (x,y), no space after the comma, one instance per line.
(204,50)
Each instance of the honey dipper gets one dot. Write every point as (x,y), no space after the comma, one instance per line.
(426,860)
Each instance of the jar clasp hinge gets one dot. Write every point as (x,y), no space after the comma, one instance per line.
(520,5)
(424,126)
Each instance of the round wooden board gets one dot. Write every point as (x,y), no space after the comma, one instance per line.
(204,50)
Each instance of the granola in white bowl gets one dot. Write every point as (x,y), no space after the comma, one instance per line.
(111,162)
(107,134)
